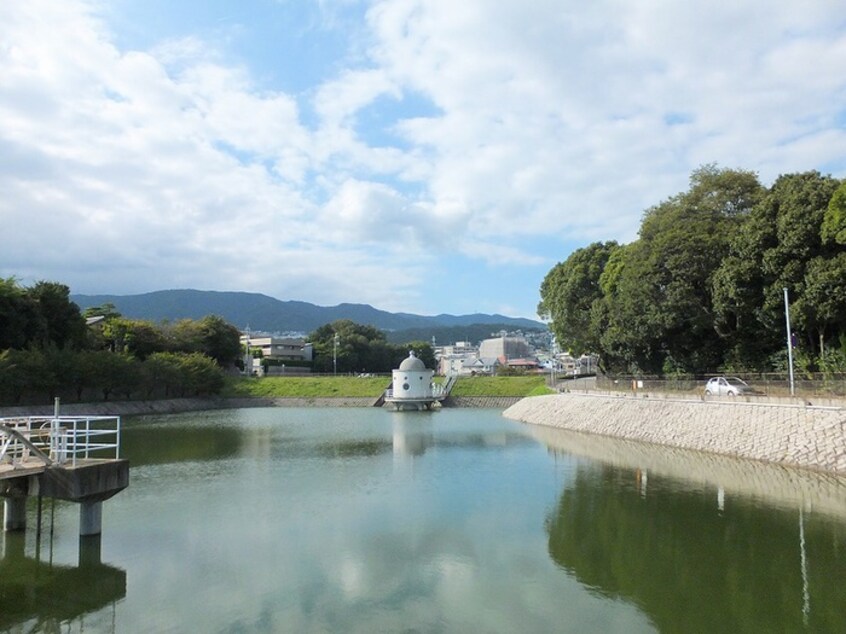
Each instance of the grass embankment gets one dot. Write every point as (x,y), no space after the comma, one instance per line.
(355,387)
(501,386)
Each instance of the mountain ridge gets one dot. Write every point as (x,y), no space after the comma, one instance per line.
(261,312)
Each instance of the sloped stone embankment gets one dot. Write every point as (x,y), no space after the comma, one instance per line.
(809,437)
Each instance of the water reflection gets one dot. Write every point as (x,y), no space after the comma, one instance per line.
(700,556)
(40,596)
(411,435)
(361,521)
(164,444)
(763,482)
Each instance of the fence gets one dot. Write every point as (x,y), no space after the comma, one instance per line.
(769,384)
(62,439)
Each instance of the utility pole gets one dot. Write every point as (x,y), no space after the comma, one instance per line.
(789,340)
(335,354)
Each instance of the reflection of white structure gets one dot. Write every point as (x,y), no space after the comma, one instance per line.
(411,387)
(411,437)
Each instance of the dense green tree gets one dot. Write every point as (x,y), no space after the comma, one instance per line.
(647,306)
(353,349)
(20,320)
(200,374)
(658,314)
(422,350)
(137,337)
(161,372)
(211,336)
(361,348)
(774,250)
(112,373)
(61,322)
(568,293)
(834,220)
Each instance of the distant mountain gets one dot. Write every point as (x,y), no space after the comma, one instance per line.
(260,312)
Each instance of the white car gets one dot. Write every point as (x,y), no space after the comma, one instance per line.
(727,386)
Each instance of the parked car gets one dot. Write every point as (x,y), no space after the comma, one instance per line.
(728,386)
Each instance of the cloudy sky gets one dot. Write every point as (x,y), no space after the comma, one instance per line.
(419,155)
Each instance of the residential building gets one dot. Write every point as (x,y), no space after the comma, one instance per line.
(278,354)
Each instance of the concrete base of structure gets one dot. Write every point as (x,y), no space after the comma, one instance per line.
(14,514)
(90,518)
(411,405)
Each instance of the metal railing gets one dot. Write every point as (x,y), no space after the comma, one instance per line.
(19,445)
(63,439)
(766,384)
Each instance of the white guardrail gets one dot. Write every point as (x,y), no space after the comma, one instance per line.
(65,439)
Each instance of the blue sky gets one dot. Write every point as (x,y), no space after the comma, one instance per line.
(422,156)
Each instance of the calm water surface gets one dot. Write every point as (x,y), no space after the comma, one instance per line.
(360,520)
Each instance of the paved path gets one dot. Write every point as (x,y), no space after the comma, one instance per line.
(810,437)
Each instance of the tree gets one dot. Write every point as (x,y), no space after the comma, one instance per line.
(834,220)
(20,322)
(161,372)
(62,323)
(111,372)
(658,314)
(211,336)
(422,350)
(362,348)
(107,310)
(772,251)
(200,374)
(568,293)
(359,347)
(134,336)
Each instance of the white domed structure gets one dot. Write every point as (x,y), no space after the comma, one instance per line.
(411,387)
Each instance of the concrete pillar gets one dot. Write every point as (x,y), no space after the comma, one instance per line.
(14,514)
(90,518)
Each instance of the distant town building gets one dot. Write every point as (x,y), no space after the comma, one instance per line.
(278,354)
(505,348)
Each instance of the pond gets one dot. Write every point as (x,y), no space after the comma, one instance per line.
(364,520)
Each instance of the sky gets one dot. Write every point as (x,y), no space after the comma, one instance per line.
(424,156)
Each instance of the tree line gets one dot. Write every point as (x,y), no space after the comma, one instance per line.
(362,348)
(701,289)
(48,349)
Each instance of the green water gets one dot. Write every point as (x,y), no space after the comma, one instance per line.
(362,520)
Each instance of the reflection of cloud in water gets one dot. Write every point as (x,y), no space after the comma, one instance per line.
(776,484)
(336,541)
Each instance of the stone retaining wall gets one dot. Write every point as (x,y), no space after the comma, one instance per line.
(176,405)
(810,437)
(495,402)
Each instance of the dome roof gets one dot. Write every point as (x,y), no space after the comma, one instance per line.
(412,364)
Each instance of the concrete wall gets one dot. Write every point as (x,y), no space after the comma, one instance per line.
(810,437)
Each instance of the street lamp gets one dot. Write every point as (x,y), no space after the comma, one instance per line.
(335,353)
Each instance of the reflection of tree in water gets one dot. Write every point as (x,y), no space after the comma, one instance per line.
(353,448)
(165,444)
(693,568)
(40,597)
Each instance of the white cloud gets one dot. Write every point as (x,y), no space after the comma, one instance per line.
(129,170)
